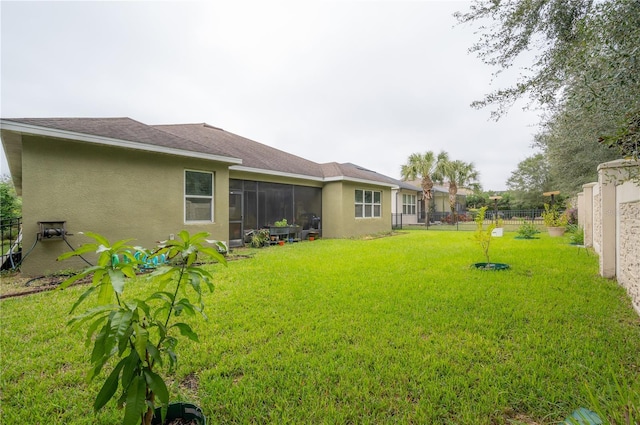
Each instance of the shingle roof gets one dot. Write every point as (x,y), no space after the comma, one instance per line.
(357,172)
(254,155)
(204,139)
(115,128)
(435,188)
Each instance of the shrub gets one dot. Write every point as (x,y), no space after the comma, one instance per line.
(259,238)
(527,230)
(576,234)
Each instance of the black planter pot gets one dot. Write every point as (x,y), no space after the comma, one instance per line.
(491,266)
(186,411)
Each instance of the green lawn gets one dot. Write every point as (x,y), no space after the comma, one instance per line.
(391,330)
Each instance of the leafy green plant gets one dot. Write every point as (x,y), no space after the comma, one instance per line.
(142,333)
(281,223)
(576,234)
(483,236)
(259,238)
(527,230)
(553,217)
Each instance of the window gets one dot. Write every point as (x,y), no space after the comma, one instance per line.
(409,204)
(198,196)
(368,203)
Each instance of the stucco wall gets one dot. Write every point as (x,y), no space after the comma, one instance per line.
(116,192)
(338,211)
(585,219)
(615,215)
(629,250)
(597,220)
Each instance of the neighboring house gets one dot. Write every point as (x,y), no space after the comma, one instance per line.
(439,205)
(407,204)
(125,179)
(440,200)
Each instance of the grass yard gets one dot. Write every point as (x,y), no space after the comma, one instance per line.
(391,330)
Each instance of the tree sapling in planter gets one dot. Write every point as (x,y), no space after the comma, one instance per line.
(555,220)
(483,237)
(141,334)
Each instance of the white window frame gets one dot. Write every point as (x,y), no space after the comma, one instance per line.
(368,208)
(409,204)
(188,196)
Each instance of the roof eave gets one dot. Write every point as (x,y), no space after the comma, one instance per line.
(22,128)
(357,180)
(311,178)
(12,145)
(274,173)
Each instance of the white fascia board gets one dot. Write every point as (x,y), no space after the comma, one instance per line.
(312,178)
(100,140)
(275,173)
(364,181)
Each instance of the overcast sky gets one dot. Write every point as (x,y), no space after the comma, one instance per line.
(367,82)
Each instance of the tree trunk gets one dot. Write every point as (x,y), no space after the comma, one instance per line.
(427,186)
(453,191)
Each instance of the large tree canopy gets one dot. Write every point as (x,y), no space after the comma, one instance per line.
(586,75)
(529,181)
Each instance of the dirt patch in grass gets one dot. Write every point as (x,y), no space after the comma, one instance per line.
(522,420)
(380,235)
(190,382)
(15,284)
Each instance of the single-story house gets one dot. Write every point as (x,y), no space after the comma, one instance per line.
(406,204)
(439,207)
(126,179)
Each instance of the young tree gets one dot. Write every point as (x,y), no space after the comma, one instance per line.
(422,166)
(459,175)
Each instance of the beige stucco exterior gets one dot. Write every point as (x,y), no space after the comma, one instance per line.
(338,211)
(118,192)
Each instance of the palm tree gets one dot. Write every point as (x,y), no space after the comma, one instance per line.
(422,166)
(459,175)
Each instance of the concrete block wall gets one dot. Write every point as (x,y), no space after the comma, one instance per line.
(611,223)
(628,270)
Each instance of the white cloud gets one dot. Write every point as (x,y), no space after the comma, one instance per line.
(351,81)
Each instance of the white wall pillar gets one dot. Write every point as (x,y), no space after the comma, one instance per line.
(587,216)
(610,175)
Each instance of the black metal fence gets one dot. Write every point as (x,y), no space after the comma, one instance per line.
(10,240)
(464,220)
(396,221)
